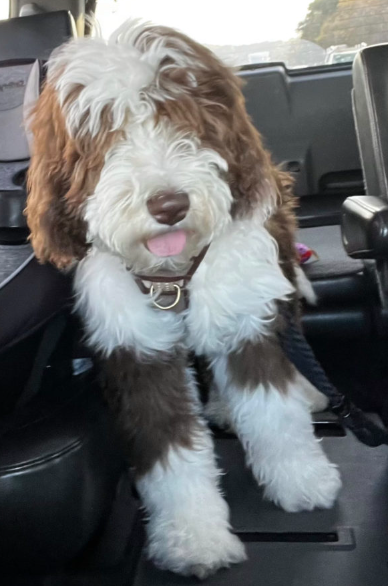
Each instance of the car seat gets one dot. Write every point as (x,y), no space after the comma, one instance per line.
(60,465)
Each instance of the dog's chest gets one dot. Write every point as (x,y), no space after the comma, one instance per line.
(232,298)
(233,295)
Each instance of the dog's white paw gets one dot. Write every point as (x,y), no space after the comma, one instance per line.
(186,551)
(305,485)
(304,287)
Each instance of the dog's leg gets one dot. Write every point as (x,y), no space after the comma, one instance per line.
(172,452)
(217,410)
(272,418)
(304,287)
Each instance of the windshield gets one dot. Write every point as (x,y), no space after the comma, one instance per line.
(299,33)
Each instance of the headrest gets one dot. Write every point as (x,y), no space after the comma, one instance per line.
(35,36)
(20,82)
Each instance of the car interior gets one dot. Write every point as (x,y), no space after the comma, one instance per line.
(69,511)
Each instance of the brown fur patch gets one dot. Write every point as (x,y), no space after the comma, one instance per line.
(282,226)
(63,172)
(260,363)
(152,404)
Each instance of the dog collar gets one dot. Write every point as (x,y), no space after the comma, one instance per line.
(169,292)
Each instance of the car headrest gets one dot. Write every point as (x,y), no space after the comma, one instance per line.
(35,36)
(20,83)
(24,43)
(370,105)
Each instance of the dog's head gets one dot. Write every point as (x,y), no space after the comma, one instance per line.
(142,146)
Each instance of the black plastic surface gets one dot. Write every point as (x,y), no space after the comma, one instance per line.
(365,227)
(306,120)
(358,557)
(343,322)
(12,206)
(344,290)
(324,210)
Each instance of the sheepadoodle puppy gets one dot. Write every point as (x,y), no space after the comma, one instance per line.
(148,176)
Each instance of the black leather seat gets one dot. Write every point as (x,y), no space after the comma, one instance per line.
(344,287)
(59,471)
(347,286)
(60,465)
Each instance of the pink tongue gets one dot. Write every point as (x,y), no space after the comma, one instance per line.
(169,244)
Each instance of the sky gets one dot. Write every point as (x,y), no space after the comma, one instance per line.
(214,22)
(3,9)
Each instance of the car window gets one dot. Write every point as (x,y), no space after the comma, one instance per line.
(300,33)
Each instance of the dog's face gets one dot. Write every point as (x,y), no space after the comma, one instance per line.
(142,147)
(160,197)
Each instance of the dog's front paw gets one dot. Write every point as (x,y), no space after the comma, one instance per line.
(189,552)
(231,551)
(305,484)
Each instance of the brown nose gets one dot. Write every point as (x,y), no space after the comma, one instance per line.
(169,207)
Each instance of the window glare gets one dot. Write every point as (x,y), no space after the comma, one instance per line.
(300,33)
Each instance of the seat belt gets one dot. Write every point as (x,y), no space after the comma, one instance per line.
(300,353)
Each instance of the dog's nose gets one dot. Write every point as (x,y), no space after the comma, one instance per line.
(169,207)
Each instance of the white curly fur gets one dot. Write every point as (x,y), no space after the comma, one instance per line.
(132,61)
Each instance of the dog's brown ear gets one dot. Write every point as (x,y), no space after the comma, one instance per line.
(57,231)
(253,177)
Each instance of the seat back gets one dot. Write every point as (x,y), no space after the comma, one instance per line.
(370,104)
(365,218)
(30,294)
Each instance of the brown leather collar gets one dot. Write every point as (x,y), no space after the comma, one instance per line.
(169,292)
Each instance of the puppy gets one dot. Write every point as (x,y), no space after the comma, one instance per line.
(149,176)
